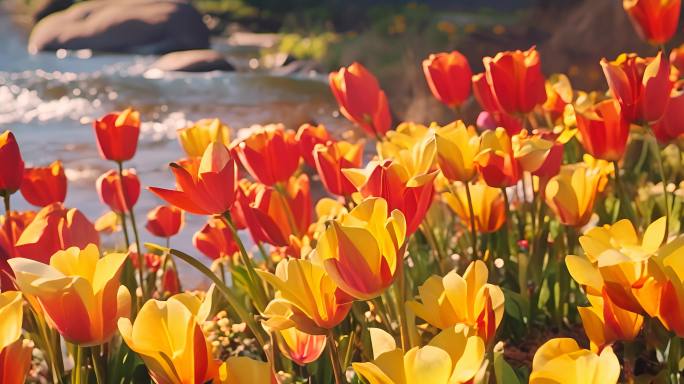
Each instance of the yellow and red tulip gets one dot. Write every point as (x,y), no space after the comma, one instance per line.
(496,160)
(196,138)
(488,206)
(571,194)
(15,353)
(301,347)
(563,361)
(215,239)
(308,136)
(604,322)
(243,370)
(457,147)
(270,154)
(117,135)
(331,158)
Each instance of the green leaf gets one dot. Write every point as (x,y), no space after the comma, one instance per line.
(504,373)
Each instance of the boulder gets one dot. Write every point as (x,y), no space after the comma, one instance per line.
(44,8)
(197,60)
(137,26)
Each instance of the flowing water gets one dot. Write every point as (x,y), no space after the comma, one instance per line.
(49,101)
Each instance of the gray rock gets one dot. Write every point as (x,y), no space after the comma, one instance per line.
(139,26)
(198,60)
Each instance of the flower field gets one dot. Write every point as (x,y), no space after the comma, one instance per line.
(540,243)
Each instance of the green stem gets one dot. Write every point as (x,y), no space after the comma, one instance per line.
(78,365)
(260,299)
(335,358)
(97,364)
(473,230)
(141,261)
(400,293)
(55,368)
(288,211)
(625,204)
(661,170)
(124,229)
(233,301)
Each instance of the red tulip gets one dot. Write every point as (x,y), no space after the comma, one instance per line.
(19,221)
(448,76)
(484,96)
(604,131)
(496,160)
(12,169)
(360,99)
(331,159)
(53,229)
(205,188)
(119,196)
(671,125)
(654,20)
(117,135)
(308,136)
(270,154)
(516,80)
(165,221)
(677,58)
(642,86)
(44,186)
(215,240)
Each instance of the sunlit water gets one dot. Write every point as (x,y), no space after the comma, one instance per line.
(49,101)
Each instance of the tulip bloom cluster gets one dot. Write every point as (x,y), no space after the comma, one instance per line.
(429,256)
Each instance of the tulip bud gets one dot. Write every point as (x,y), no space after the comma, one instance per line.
(119,194)
(196,138)
(654,20)
(308,136)
(215,239)
(165,221)
(117,135)
(44,186)
(12,170)
(448,76)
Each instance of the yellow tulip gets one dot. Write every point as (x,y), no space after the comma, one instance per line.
(301,347)
(169,339)
(307,298)
(361,250)
(562,361)
(79,292)
(451,357)
(488,206)
(243,370)
(197,137)
(571,194)
(604,322)
(411,145)
(530,150)
(15,353)
(457,147)
(452,299)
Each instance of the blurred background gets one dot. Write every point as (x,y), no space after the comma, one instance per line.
(65,63)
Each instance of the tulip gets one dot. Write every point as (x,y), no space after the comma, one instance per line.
(641,86)
(572,193)
(117,135)
(488,206)
(654,20)
(273,217)
(307,298)
(388,179)
(362,250)
(671,125)
(484,96)
(307,137)
(532,151)
(451,357)
(448,76)
(79,292)
(164,221)
(196,138)
(209,188)
(470,300)
(301,347)
(270,154)
(15,353)
(457,147)
(55,228)
(411,145)
(168,338)
(561,360)
(119,194)
(516,80)
(329,161)
(215,240)
(11,230)
(604,322)
(360,99)
(12,170)
(243,370)
(677,58)
(496,160)
(604,130)
(558,95)
(44,186)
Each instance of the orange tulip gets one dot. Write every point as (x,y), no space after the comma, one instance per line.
(642,86)
(15,353)
(558,95)
(165,221)
(448,76)
(331,159)
(360,99)
(207,188)
(604,130)
(215,240)
(308,136)
(16,225)
(117,135)
(270,154)
(12,169)
(604,322)
(484,96)
(119,196)
(488,206)
(79,292)
(671,125)
(516,80)
(272,217)
(301,347)
(496,160)
(44,186)
(53,229)
(654,20)
(677,58)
